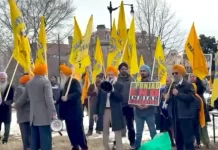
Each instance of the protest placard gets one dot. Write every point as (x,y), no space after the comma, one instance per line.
(144,93)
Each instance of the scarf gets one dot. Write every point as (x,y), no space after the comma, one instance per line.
(201,112)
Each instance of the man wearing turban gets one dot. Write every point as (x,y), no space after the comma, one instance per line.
(42,110)
(109,109)
(5,105)
(23,112)
(181,108)
(71,109)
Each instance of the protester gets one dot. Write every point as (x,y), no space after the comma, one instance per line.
(181,104)
(5,105)
(42,109)
(125,79)
(200,91)
(23,112)
(165,120)
(92,93)
(109,109)
(144,113)
(199,120)
(56,90)
(71,109)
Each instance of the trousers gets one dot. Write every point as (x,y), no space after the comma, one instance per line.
(7,126)
(25,131)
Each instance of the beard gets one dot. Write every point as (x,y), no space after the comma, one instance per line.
(63,81)
(3,86)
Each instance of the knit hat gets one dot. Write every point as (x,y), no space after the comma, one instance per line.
(179,68)
(40,69)
(145,68)
(112,69)
(65,70)
(122,65)
(3,75)
(24,79)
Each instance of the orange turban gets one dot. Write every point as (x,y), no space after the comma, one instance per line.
(24,79)
(65,70)
(40,69)
(112,69)
(179,68)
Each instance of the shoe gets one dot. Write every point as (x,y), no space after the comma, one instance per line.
(98,132)
(132,147)
(4,142)
(75,148)
(89,133)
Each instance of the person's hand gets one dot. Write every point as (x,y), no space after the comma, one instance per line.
(55,117)
(140,107)
(13,105)
(64,98)
(166,96)
(95,117)
(175,92)
(145,106)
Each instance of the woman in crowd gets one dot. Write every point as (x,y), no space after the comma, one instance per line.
(200,91)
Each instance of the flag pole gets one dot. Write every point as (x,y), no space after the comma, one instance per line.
(9,62)
(12,79)
(152,73)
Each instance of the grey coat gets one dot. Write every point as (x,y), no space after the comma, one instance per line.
(23,109)
(42,108)
(116,99)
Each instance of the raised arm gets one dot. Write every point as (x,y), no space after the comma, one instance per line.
(188,96)
(116,92)
(76,91)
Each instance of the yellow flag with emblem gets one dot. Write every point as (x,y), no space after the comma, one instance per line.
(195,54)
(160,59)
(41,55)
(21,52)
(131,49)
(98,60)
(83,59)
(76,43)
(115,49)
(141,62)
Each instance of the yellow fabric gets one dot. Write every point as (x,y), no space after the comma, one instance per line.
(85,88)
(195,54)
(98,60)
(76,44)
(42,44)
(159,57)
(21,52)
(201,113)
(141,62)
(132,50)
(215,82)
(83,59)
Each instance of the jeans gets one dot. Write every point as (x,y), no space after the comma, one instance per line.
(150,120)
(6,131)
(25,134)
(41,138)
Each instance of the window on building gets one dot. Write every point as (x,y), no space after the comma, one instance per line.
(107,37)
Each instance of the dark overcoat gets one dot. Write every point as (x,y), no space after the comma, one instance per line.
(5,107)
(116,100)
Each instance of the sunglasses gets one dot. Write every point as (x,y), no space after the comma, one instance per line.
(175,73)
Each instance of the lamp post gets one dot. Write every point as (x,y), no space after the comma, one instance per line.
(111,9)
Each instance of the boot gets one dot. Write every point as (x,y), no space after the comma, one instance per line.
(89,133)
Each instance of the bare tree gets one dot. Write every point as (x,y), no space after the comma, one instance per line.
(157,19)
(56,13)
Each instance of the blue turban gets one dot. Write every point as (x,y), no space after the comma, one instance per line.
(146,68)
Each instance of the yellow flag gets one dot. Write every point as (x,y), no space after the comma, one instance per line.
(131,49)
(21,52)
(159,57)
(85,87)
(215,82)
(41,56)
(195,54)
(83,59)
(141,62)
(115,49)
(76,43)
(98,60)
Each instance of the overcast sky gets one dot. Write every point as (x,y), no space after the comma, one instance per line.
(202,12)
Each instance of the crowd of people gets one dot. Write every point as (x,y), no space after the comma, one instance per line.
(182,111)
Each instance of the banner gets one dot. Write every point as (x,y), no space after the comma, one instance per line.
(208,58)
(144,93)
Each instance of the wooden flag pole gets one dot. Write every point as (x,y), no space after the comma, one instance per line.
(9,62)
(12,79)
